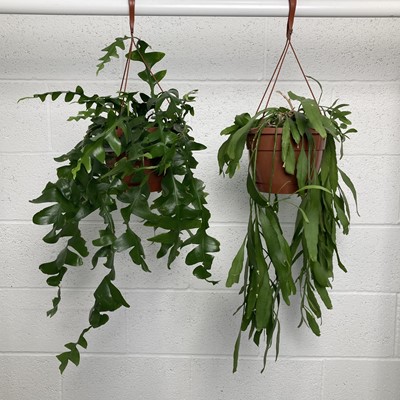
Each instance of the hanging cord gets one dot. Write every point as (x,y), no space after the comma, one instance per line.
(274,78)
(125,76)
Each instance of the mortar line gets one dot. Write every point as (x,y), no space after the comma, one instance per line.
(88,354)
(393,225)
(182,290)
(188,80)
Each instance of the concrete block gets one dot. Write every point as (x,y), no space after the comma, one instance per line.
(359,325)
(209,48)
(23,178)
(25,126)
(57,47)
(184,323)
(377,184)
(374,108)
(28,329)
(359,48)
(361,379)
(26,377)
(213,379)
(372,259)
(127,378)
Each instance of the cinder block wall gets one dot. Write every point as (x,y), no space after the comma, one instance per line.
(176,340)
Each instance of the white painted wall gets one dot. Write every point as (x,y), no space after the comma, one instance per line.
(175,342)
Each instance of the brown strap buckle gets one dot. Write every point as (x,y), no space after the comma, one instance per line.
(132,15)
(292,12)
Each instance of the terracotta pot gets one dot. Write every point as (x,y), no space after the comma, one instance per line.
(154,180)
(269,162)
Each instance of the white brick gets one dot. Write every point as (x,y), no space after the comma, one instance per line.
(358,49)
(23,178)
(24,126)
(56,47)
(184,323)
(372,258)
(207,48)
(361,379)
(397,350)
(357,326)
(20,257)
(282,380)
(26,328)
(377,184)
(128,378)
(29,377)
(375,115)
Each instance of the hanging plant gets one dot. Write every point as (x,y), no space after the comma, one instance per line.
(136,143)
(293,152)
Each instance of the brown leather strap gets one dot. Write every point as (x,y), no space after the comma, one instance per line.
(272,82)
(132,15)
(292,12)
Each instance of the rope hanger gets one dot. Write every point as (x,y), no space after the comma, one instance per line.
(278,68)
(125,76)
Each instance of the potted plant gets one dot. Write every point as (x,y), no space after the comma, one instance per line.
(136,143)
(294,138)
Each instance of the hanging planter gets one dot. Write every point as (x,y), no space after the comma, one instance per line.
(136,143)
(292,151)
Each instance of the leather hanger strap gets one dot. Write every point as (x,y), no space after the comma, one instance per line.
(132,15)
(292,12)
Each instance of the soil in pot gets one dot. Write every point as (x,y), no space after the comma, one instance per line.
(271,176)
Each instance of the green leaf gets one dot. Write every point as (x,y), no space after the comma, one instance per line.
(313,324)
(311,229)
(47,216)
(323,294)
(254,192)
(313,113)
(236,267)
(317,187)
(301,168)
(125,241)
(350,185)
(264,306)
(201,273)
(312,301)
(113,141)
(108,297)
(290,162)
(236,352)
(286,144)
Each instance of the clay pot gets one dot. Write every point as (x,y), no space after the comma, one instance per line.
(271,176)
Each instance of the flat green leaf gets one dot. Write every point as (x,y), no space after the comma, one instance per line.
(236,267)
(236,352)
(323,294)
(350,185)
(286,144)
(311,229)
(313,113)
(201,273)
(313,324)
(47,216)
(254,192)
(302,168)
(108,297)
(290,161)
